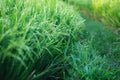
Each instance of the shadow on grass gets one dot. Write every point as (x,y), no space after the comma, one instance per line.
(105,42)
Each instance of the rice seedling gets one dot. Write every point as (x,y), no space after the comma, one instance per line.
(47,40)
(35,37)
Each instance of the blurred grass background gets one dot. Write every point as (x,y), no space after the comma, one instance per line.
(106,11)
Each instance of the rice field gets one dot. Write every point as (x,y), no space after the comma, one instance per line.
(53,40)
(106,11)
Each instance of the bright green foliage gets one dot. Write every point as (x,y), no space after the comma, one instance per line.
(35,38)
(107,11)
(42,40)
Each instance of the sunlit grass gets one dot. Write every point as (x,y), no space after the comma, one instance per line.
(35,38)
(109,11)
(106,11)
(46,39)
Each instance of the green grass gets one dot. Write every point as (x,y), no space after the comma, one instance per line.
(105,43)
(106,11)
(35,38)
(87,65)
(49,40)
(82,4)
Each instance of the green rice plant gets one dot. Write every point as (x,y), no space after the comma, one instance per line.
(36,38)
(108,10)
(39,40)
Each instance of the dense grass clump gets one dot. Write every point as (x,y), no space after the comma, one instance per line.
(36,38)
(87,65)
(46,40)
